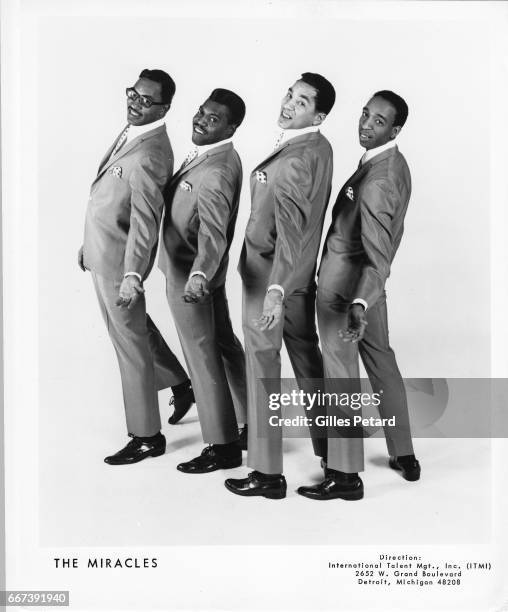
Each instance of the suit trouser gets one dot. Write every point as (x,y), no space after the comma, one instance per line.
(341,362)
(146,362)
(216,362)
(262,350)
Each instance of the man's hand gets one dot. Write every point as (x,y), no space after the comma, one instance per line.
(80,259)
(356,324)
(196,288)
(130,290)
(272,311)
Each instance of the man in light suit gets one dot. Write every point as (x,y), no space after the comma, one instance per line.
(366,230)
(199,221)
(121,235)
(290,190)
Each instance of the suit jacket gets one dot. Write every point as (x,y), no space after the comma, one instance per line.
(366,229)
(125,206)
(290,190)
(200,215)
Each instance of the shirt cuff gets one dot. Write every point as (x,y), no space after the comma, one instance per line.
(278,287)
(133,274)
(198,273)
(362,302)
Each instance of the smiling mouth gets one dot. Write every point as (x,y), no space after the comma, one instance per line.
(199,130)
(285,115)
(364,136)
(134,112)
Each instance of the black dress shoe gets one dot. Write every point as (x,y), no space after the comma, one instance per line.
(334,486)
(256,483)
(138,449)
(408,465)
(182,400)
(243,435)
(213,458)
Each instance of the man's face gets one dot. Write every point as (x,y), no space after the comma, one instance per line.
(375,127)
(298,108)
(137,114)
(211,124)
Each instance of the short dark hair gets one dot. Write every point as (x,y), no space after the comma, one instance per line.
(398,103)
(325,97)
(235,104)
(167,84)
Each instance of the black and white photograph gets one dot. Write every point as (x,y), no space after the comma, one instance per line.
(255,284)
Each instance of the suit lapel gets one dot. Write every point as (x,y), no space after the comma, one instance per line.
(284,146)
(362,170)
(379,158)
(107,161)
(108,152)
(200,159)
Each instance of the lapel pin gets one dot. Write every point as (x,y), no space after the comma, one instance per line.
(185,186)
(350,194)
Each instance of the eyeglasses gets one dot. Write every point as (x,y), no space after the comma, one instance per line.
(145,101)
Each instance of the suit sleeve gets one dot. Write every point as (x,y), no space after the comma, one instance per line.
(215,204)
(292,212)
(377,208)
(147,182)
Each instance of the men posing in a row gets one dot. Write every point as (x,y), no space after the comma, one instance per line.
(201,209)
(121,235)
(366,230)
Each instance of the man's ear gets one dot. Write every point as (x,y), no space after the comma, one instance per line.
(319,118)
(163,110)
(395,131)
(230,130)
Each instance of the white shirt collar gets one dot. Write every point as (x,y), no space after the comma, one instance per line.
(205,148)
(290,134)
(368,155)
(137,130)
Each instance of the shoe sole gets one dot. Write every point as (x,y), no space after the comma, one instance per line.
(409,478)
(154,453)
(353,496)
(268,495)
(215,469)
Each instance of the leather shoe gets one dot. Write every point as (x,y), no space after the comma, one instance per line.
(212,459)
(332,488)
(256,483)
(138,449)
(182,401)
(408,465)
(243,436)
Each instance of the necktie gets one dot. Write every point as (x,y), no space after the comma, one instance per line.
(279,140)
(121,141)
(191,156)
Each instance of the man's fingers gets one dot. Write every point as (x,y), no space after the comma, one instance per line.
(189,298)
(133,300)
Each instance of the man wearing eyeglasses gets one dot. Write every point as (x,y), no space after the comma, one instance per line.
(121,234)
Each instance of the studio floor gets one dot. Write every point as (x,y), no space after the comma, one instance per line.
(85,502)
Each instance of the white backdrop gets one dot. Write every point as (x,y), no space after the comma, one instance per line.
(443,263)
